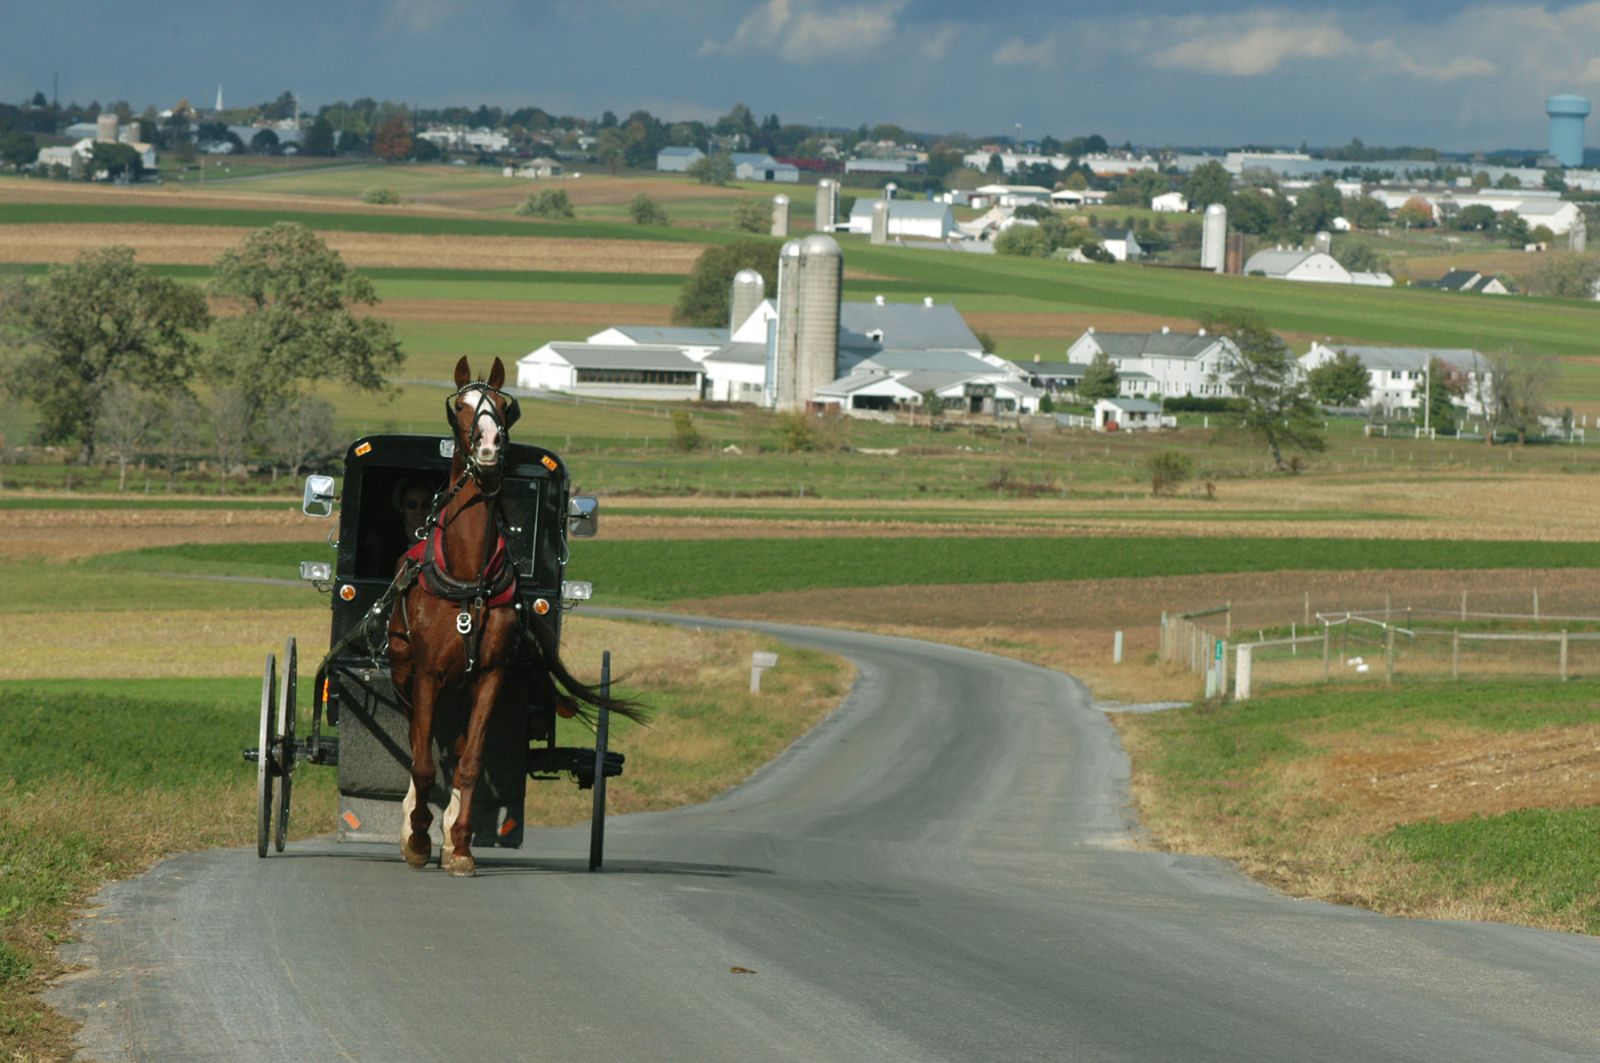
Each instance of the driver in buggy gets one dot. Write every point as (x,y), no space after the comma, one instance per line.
(386,543)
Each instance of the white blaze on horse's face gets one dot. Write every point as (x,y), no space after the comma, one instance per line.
(486,453)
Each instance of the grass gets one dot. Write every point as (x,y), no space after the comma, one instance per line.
(35,587)
(656,571)
(1261,782)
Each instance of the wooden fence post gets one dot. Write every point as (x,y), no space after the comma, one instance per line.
(1563,655)
(1455,653)
(1536,603)
(1389,653)
(1327,645)
(1463,603)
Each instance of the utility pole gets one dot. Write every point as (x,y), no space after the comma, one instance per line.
(1427,394)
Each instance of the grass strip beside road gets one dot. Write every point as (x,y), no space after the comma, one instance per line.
(1447,800)
(101,777)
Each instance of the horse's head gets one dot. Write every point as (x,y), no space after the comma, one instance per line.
(481,416)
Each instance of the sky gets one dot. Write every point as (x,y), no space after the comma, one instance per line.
(1172,72)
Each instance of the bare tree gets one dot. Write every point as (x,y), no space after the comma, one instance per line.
(1521,390)
(230,431)
(127,417)
(299,430)
(175,433)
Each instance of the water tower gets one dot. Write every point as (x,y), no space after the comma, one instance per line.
(1566,128)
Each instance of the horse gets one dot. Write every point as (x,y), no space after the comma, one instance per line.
(457,623)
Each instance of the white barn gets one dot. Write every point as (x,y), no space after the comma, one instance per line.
(917,218)
(622,372)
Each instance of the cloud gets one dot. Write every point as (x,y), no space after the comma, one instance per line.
(1018,51)
(802,31)
(937,43)
(1252,43)
(424,16)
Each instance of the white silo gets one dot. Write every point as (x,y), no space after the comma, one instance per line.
(748,291)
(1214,238)
(1578,235)
(827,204)
(780,215)
(817,339)
(1323,242)
(781,382)
(880,221)
(105,127)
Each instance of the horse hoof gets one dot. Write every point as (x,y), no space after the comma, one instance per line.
(462,866)
(413,857)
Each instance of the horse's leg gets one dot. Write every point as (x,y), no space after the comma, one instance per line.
(457,854)
(414,813)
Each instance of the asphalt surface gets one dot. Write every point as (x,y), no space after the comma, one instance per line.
(943,870)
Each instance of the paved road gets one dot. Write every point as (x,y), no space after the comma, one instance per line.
(941,871)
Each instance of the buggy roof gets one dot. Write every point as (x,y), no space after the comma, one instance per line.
(435,453)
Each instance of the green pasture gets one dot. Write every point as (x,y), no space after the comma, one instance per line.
(40,587)
(660,571)
(1224,761)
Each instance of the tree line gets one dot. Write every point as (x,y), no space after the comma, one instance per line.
(110,355)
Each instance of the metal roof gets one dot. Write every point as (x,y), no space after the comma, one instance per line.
(740,354)
(680,337)
(1156,344)
(1276,263)
(847,385)
(920,209)
(910,326)
(1415,359)
(1132,405)
(595,356)
(923,360)
(680,151)
(1064,369)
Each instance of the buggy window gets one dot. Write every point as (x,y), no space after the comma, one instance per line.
(386,492)
(533,530)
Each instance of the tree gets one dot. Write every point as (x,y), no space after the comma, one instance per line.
(1476,218)
(1444,385)
(115,161)
(712,170)
(1513,228)
(1100,379)
(1028,241)
(646,211)
(1357,256)
(1209,183)
(1414,213)
(391,141)
(703,301)
(1340,381)
(127,417)
(547,203)
(1276,407)
(299,431)
(320,137)
(1569,275)
(17,148)
(1317,206)
(1168,469)
(753,215)
(350,143)
(1365,212)
(231,416)
(91,323)
(612,149)
(1252,211)
(1519,392)
(685,436)
(295,324)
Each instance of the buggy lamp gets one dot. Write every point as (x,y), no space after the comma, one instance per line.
(576,590)
(316,571)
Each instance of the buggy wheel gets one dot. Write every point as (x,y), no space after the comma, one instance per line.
(264,758)
(597,825)
(285,744)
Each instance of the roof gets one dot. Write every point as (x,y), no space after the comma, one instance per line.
(1132,405)
(1544,207)
(1413,358)
(740,354)
(681,337)
(1276,263)
(595,356)
(680,151)
(847,385)
(1155,344)
(1067,369)
(922,209)
(752,158)
(910,326)
(1456,280)
(921,361)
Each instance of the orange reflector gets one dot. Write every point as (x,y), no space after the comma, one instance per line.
(347,592)
(363,449)
(541,606)
(350,818)
(325,682)
(507,827)
(548,462)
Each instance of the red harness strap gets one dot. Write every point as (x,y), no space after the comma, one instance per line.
(497,561)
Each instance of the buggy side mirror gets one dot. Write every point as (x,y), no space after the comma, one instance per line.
(318,501)
(583,517)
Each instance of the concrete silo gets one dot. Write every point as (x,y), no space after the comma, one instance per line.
(105,127)
(827,204)
(1214,238)
(1323,242)
(780,215)
(880,221)
(1566,128)
(817,335)
(748,291)
(781,366)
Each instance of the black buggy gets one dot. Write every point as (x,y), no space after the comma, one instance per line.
(351,688)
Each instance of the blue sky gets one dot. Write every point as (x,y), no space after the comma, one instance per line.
(1170,72)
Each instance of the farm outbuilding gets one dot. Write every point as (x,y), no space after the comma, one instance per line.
(907,217)
(677,160)
(624,372)
(1126,415)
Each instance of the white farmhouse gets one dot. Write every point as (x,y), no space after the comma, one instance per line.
(1162,364)
(1399,376)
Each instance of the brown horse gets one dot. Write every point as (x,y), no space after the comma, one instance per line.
(457,624)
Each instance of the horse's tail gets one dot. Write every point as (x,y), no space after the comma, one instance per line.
(578,697)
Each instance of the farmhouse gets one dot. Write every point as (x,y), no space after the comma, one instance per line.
(1467,280)
(1164,363)
(915,218)
(1399,376)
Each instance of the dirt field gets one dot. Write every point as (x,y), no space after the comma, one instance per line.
(201,244)
(65,534)
(591,190)
(509,312)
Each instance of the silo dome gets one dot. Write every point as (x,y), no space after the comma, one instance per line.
(748,291)
(1216,208)
(818,244)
